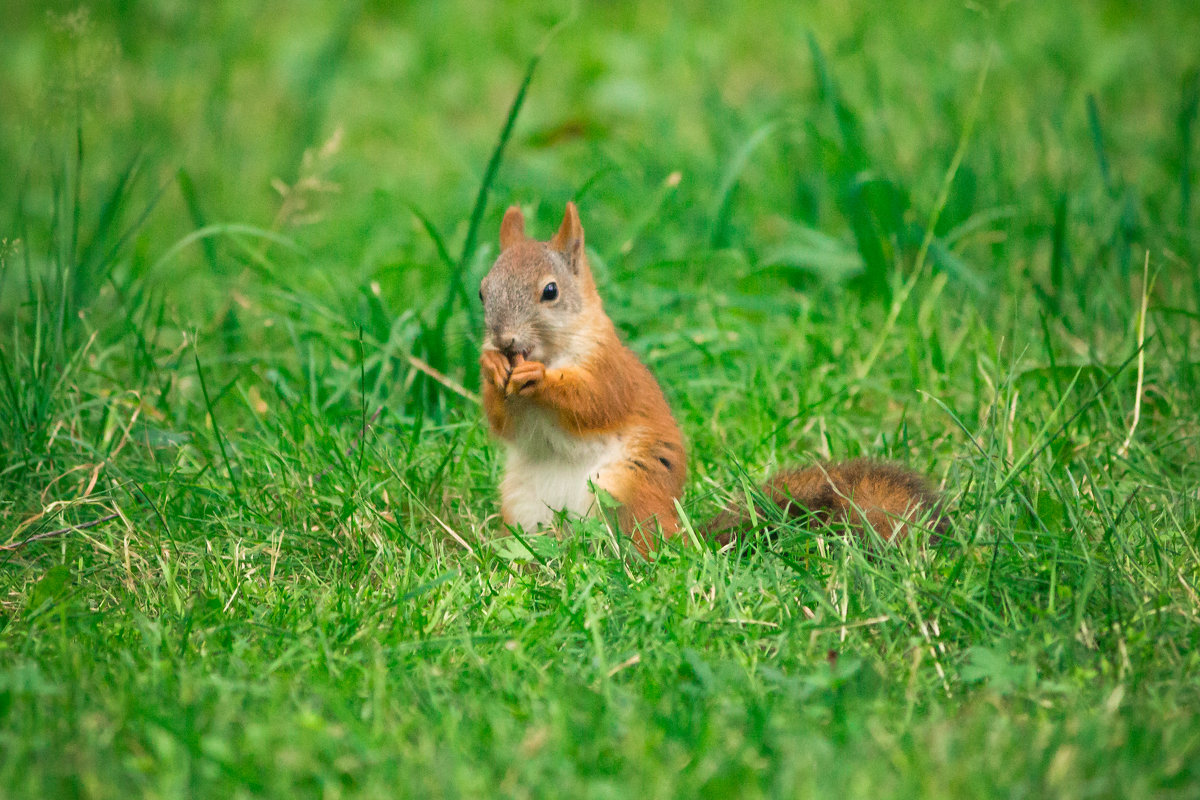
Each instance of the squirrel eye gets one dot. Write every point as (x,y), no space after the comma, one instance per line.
(550,292)
(481,294)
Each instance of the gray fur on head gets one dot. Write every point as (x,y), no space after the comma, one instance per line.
(519,315)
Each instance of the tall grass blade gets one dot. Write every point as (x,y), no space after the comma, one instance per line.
(1059,253)
(234,481)
(224,229)
(435,235)
(1097,132)
(854,150)
(723,202)
(856,205)
(960,152)
(187,188)
(1189,106)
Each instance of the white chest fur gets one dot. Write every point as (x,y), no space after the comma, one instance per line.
(548,469)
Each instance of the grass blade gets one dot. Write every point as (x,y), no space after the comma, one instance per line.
(436,236)
(723,202)
(212,414)
(1097,132)
(187,188)
(1189,106)
(224,229)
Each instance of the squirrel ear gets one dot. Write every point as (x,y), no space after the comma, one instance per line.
(569,239)
(512,229)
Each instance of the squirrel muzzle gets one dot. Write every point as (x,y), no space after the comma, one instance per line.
(511,346)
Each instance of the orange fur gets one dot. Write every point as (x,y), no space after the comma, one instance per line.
(606,393)
(613,392)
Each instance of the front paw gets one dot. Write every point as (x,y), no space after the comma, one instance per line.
(525,377)
(496,368)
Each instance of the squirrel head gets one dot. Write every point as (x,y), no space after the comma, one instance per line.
(539,299)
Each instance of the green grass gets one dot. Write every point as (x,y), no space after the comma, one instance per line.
(252,546)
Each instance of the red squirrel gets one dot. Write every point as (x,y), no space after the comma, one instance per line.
(576,409)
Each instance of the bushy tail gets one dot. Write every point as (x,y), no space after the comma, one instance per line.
(889,498)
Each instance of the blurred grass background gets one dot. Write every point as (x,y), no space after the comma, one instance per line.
(248,504)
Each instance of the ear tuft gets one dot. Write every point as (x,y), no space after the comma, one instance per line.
(512,229)
(569,239)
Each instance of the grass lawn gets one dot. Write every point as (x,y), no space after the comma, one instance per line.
(248,503)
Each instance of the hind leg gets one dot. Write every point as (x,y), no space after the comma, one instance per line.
(644,508)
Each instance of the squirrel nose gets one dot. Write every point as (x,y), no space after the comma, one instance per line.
(509,345)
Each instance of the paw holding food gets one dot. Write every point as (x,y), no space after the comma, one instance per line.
(525,376)
(496,368)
